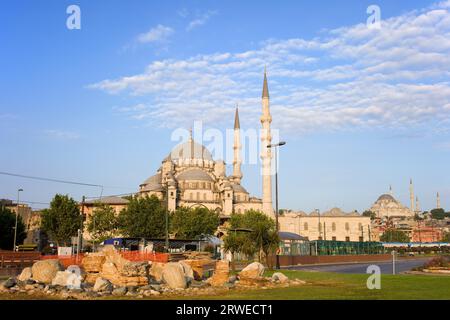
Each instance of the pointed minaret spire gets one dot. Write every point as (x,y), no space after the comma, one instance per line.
(237,173)
(411,195)
(438,201)
(237,125)
(390,190)
(265,92)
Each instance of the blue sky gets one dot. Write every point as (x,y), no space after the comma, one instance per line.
(361,109)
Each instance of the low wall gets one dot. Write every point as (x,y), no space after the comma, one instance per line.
(299,260)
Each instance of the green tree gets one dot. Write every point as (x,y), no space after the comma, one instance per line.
(372,215)
(191,223)
(62,220)
(103,224)
(438,214)
(393,235)
(7,225)
(144,217)
(263,238)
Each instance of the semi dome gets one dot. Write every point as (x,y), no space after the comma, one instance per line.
(239,188)
(152,184)
(190,150)
(195,174)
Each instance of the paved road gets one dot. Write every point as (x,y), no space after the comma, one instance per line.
(386,266)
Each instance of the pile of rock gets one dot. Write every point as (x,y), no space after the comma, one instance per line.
(108,273)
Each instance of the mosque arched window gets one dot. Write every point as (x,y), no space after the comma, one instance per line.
(305,226)
(198,196)
(333,226)
(347,226)
(204,196)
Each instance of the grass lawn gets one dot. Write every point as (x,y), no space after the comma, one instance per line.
(323,285)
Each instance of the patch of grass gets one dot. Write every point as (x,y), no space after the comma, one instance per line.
(325,286)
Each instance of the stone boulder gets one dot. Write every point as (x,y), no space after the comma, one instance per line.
(45,270)
(68,278)
(9,283)
(156,270)
(25,275)
(279,277)
(102,285)
(221,274)
(199,267)
(254,270)
(173,275)
(93,262)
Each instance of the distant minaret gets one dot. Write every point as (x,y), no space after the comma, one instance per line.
(266,153)
(417,205)
(390,190)
(411,195)
(237,173)
(438,201)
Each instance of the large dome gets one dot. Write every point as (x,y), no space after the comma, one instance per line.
(190,150)
(386,197)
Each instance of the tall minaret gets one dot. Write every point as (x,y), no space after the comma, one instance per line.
(266,153)
(390,190)
(438,201)
(237,173)
(417,205)
(411,195)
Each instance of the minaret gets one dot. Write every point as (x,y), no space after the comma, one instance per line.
(390,190)
(411,195)
(266,153)
(417,205)
(237,173)
(438,201)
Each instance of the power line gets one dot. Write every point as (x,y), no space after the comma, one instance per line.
(59,180)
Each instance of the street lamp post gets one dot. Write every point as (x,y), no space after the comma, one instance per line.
(17,215)
(320,225)
(275,146)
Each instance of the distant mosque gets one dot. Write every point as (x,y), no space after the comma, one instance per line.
(190,177)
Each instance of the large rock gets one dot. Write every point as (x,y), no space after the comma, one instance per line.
(25,275)
(102,285)
(11,282)
(221,273)
(173,275)
(93,262)
(69,279)
(156,270)
(199,267)
(279,277)
(252,271)
(111,273)
(45,270)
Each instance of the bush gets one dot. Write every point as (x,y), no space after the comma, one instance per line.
(437,262)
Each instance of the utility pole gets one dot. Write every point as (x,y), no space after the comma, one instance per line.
(17,216)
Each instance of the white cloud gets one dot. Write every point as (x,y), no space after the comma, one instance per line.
(349,78)
(61,134)
(156,34)
(200,20)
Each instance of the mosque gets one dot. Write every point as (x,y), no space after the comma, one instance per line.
(190,177)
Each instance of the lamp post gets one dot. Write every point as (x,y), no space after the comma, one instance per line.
(17,215)
(275,146)
(320,225)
